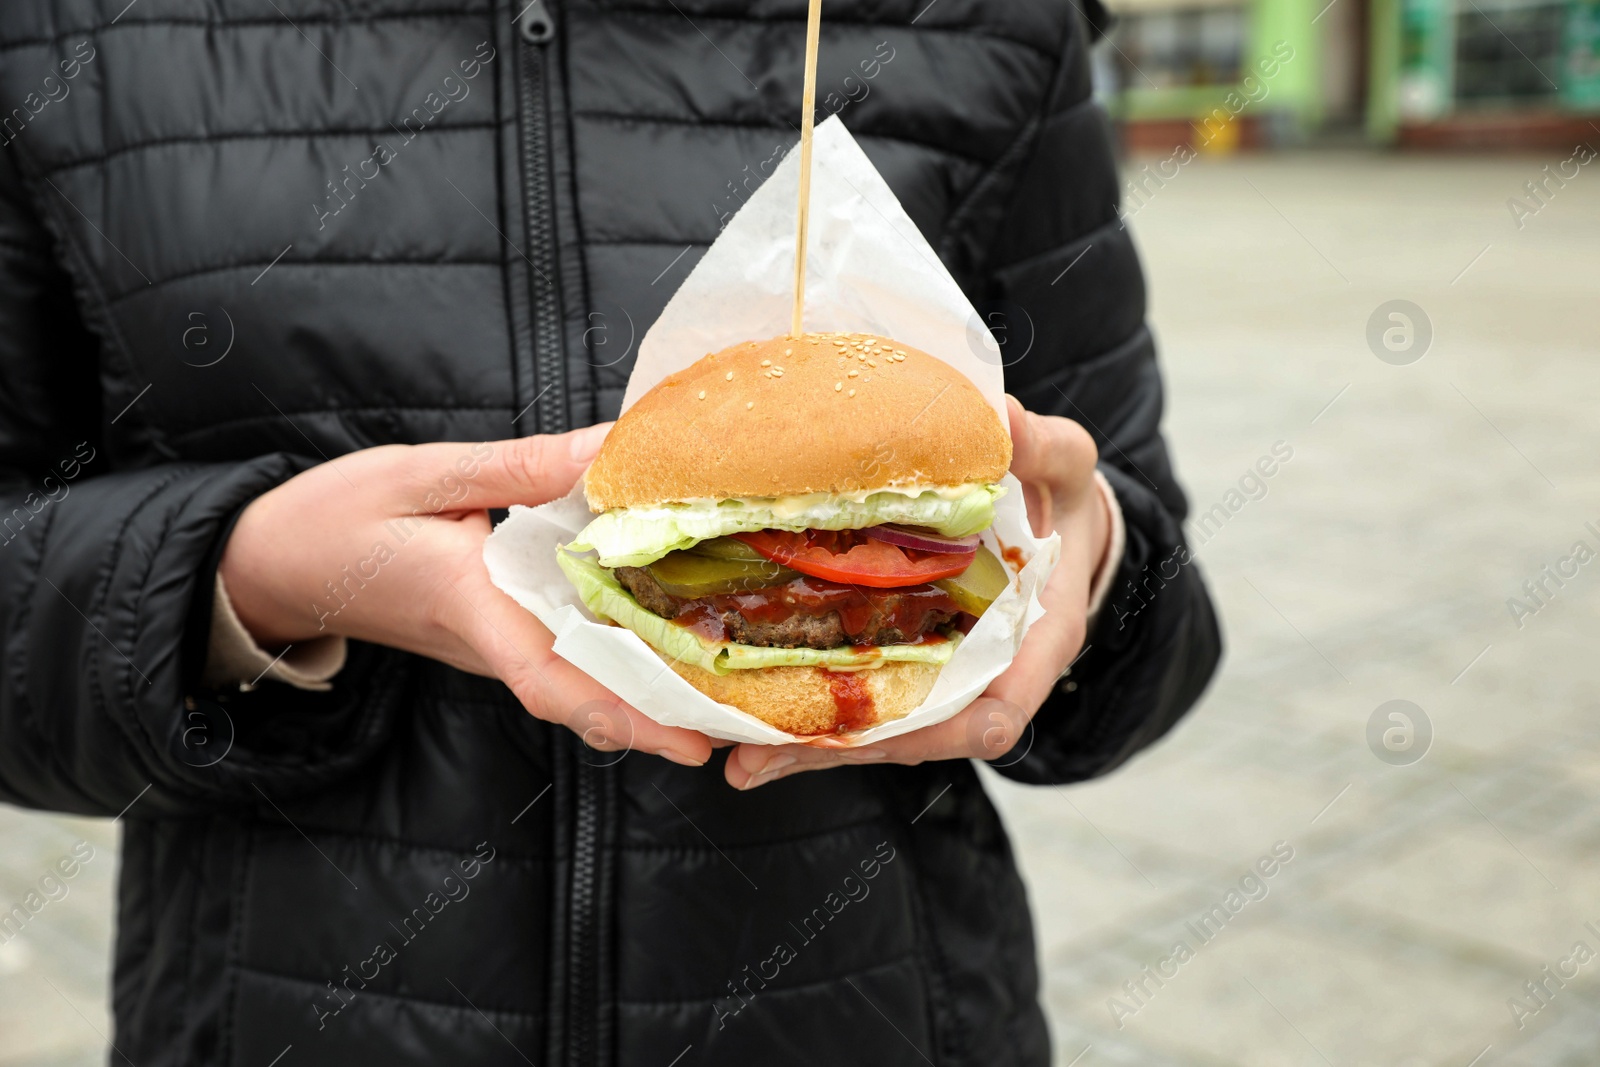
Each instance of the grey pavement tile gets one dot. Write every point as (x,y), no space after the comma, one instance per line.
(49,1018)
(54,975)
(1262,997)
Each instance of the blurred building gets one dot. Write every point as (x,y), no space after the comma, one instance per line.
(1217,75)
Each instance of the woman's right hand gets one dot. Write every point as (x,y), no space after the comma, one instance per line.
(386,545)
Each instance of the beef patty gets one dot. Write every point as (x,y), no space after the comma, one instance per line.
(798,630)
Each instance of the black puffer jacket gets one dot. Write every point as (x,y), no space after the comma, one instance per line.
(238,237)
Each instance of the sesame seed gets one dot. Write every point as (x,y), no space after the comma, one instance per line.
(853,373)
(788,351)
(748,404)
(729,376)
(777,372)
(766,363)
(870,363)
(838,386)
(899,351)
(702,394)
(852,392)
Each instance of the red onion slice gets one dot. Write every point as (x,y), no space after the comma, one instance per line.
(920,539)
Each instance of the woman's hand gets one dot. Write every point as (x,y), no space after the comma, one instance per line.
(386,545)
(1054,459)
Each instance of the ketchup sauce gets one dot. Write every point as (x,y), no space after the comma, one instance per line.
(852,700)
(703,619)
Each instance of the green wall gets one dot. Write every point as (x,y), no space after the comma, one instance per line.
(1383,71)
(1297,88)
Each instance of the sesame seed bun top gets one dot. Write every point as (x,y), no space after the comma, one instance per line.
(830,413)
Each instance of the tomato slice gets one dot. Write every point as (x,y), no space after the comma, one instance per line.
(850,557)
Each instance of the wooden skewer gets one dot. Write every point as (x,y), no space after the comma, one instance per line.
(807,110)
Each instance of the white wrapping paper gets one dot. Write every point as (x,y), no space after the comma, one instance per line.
(869,270)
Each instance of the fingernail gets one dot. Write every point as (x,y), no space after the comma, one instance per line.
(755,780)
(679,757)
(862,754)
(586,442)
(777,763)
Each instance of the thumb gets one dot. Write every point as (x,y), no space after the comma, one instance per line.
(1049,450)
(523,470)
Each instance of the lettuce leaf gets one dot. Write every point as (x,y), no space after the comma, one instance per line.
(606,598)
(633,537)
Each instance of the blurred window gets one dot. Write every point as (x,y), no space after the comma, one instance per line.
(1181,47)
(1508,52)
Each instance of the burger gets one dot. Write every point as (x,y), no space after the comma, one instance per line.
(793,525)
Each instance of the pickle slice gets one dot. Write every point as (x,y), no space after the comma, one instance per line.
(690,576)
(726,548)
(975,588)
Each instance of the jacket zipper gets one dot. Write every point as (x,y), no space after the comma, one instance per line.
(583,940)
(536,25)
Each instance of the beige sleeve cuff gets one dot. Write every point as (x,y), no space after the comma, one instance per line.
(234,658)
(1116,544)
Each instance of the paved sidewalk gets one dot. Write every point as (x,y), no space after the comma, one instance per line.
(54,975)
(1377,566)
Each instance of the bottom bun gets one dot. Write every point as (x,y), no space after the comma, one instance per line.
(812,700)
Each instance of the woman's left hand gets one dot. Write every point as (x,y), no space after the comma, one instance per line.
(1054,459)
